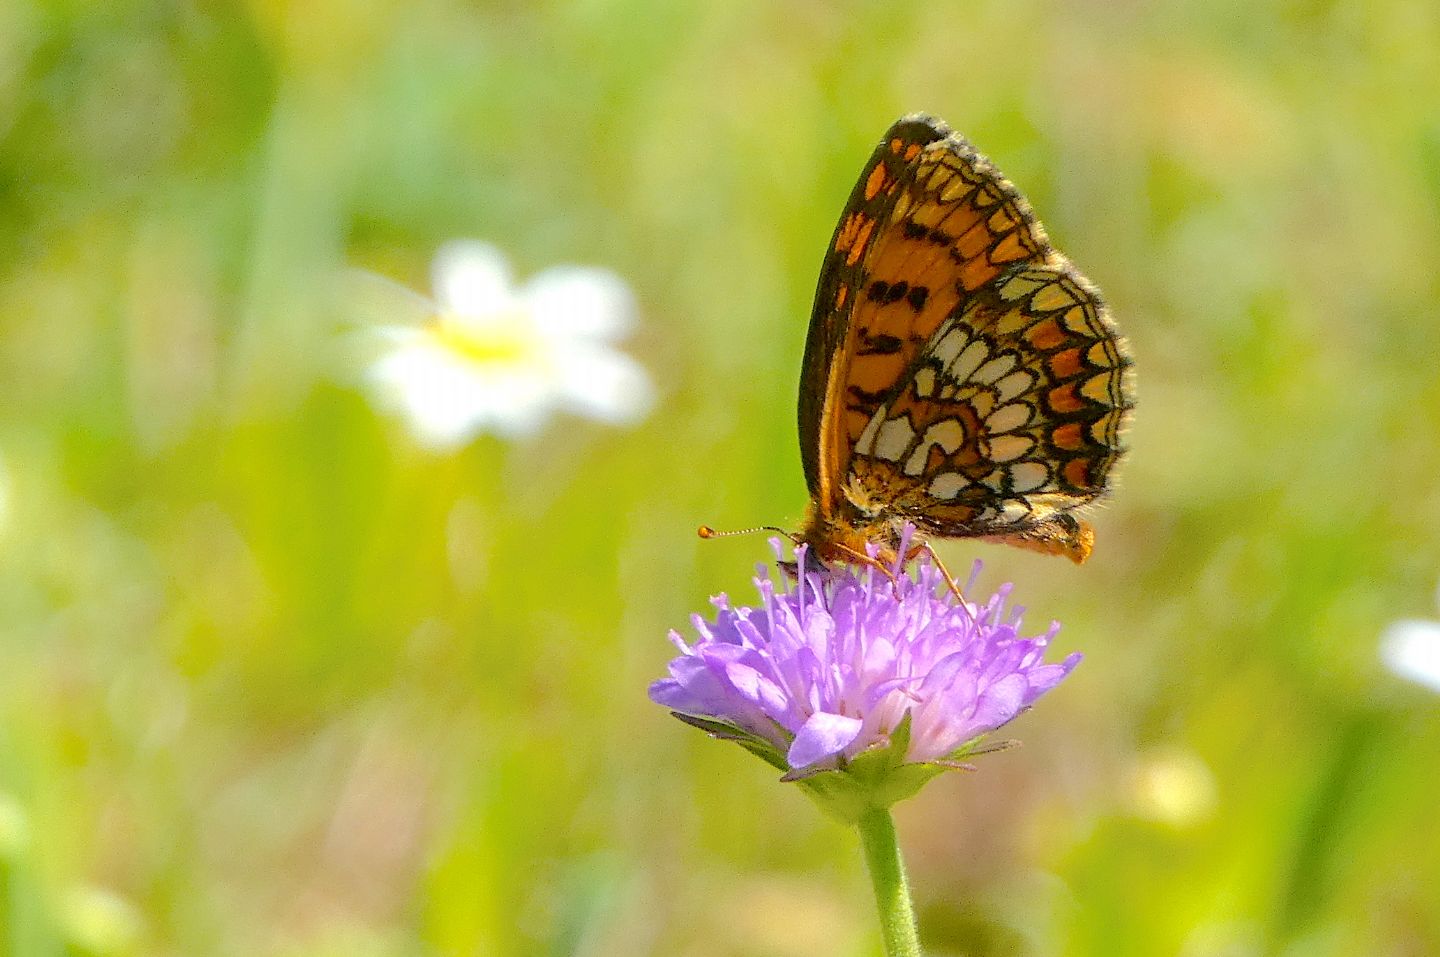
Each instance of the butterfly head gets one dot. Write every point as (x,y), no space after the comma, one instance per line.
(846,534)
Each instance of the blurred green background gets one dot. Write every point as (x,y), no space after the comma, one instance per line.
(276,680)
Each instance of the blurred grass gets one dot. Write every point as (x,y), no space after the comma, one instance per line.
(273,680)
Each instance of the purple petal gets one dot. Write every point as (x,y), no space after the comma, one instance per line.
(1001,701)
(665,693)
(692,687)
(757,688)
(879,656)
(944,674)
(823,735)
(1044,677)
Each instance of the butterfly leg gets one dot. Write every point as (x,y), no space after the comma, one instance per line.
(812,563)
(929,549)
(860,558)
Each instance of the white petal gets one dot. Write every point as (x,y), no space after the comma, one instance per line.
(513,404)
(471,278)
(604,383)
(1411,649)
(580,301)
(448,401)
(369,299)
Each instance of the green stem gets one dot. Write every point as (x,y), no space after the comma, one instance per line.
(892,890)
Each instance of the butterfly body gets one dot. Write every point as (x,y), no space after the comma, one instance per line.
(960,374)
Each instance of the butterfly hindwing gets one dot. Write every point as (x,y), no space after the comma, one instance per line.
(1011,413)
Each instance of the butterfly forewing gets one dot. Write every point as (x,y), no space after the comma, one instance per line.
(830,355)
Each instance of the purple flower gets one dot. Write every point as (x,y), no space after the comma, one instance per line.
(843,663)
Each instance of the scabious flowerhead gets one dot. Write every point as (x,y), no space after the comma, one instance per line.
(845,671)
(496,356)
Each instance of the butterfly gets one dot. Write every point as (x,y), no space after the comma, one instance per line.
(960,373)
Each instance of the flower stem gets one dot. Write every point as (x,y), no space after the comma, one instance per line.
(892,890)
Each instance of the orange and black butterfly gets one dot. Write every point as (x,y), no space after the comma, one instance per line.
(960,373)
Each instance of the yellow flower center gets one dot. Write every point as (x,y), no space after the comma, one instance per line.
(501,339)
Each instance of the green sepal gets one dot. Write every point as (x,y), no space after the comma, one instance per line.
(977,746)
(874,779)
(723,730)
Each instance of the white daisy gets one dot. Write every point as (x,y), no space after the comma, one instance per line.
(496,357)
(1410,648)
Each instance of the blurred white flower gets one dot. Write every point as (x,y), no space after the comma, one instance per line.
(497,357)
(1410,648)
(99,921)
(14,827)
(1171,785)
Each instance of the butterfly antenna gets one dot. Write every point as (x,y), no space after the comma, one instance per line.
(705,531)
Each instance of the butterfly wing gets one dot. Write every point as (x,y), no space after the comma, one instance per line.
(828,408)
(1010,417)
(959,371)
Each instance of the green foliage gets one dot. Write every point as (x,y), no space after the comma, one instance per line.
(274,680)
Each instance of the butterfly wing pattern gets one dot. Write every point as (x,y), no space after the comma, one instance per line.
(960,373)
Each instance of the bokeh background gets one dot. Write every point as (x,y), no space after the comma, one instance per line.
(275,679)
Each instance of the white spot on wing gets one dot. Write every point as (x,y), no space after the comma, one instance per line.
(894,437)
(968,361)
(1007,418)
(950,345)
(1012,511)
(867,438)
(925,382)
(993,369)
(1014,385)
(947,485)
(948,434)
(1028,476)
(1007,448)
